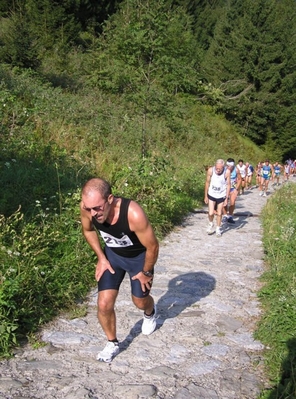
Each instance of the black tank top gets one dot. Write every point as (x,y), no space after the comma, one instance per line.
(119,237)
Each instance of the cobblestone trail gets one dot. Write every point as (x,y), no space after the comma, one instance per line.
(205,289)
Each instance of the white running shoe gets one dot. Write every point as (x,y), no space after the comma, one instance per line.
(109,352)
(264,195)
(218,232)
(149,323)
(210,228)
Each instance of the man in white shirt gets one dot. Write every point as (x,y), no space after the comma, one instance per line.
(217,188)
(243,172)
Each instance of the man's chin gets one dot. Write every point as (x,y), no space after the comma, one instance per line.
(100,219)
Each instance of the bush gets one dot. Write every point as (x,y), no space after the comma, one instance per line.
(45,266)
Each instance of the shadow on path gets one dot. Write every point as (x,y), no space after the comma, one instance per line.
(183,291)
(240,223)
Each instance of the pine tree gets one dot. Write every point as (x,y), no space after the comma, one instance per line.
(249,60)
(146,53)
(146,42)
(17,43)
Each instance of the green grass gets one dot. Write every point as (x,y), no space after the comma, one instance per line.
(277,327)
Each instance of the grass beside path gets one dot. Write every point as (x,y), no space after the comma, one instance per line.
(277,327)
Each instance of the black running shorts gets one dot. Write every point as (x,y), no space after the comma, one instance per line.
(121,266)
(217,200)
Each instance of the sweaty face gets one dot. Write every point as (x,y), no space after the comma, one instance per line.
(97,206)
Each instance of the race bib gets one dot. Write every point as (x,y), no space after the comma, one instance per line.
(216,189)
(114,242)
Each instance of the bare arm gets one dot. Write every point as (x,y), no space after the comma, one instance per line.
(141,226)
(239,179)
(92,239)
(207,184)
(228,185)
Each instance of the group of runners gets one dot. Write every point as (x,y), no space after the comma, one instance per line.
(130,244)
(226,180)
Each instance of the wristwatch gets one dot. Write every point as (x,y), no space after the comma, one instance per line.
(147,274)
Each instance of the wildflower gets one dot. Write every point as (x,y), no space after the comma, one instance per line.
(12,270)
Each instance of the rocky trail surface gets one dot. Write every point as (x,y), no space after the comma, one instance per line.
(203,348)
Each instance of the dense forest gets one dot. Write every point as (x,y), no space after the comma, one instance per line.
(237,56)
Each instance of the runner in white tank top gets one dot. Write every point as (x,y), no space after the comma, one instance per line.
(218,185)
(287,171)
(243,172)
(217,189)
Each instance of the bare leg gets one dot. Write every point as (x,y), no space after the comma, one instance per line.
(146,304)
(243,185)
(233,196)
(262,180)
(211,210)
(266,185)
(106,312)
(225,208)
(219,214)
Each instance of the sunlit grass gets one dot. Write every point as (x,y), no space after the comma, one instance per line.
(278,296)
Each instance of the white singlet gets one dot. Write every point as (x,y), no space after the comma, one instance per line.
(217,188)
(242,170)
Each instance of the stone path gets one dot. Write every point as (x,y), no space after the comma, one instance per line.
(205,289)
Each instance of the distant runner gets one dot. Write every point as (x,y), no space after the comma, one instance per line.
(267,172)
(217,188)
(235,182)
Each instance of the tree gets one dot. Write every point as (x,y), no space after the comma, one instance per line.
(93,13)
(17,43)
(53,22)
(250,58)
(147,53)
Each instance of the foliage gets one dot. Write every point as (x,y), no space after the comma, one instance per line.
(237,55)
(153,183)
(45,266)
(146,43)
(278,295)
(17,43)
(250,59)
(145,55)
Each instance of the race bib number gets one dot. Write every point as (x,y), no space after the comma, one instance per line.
(114,242)
(216,189)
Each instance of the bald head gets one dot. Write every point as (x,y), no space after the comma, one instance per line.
(97,185)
